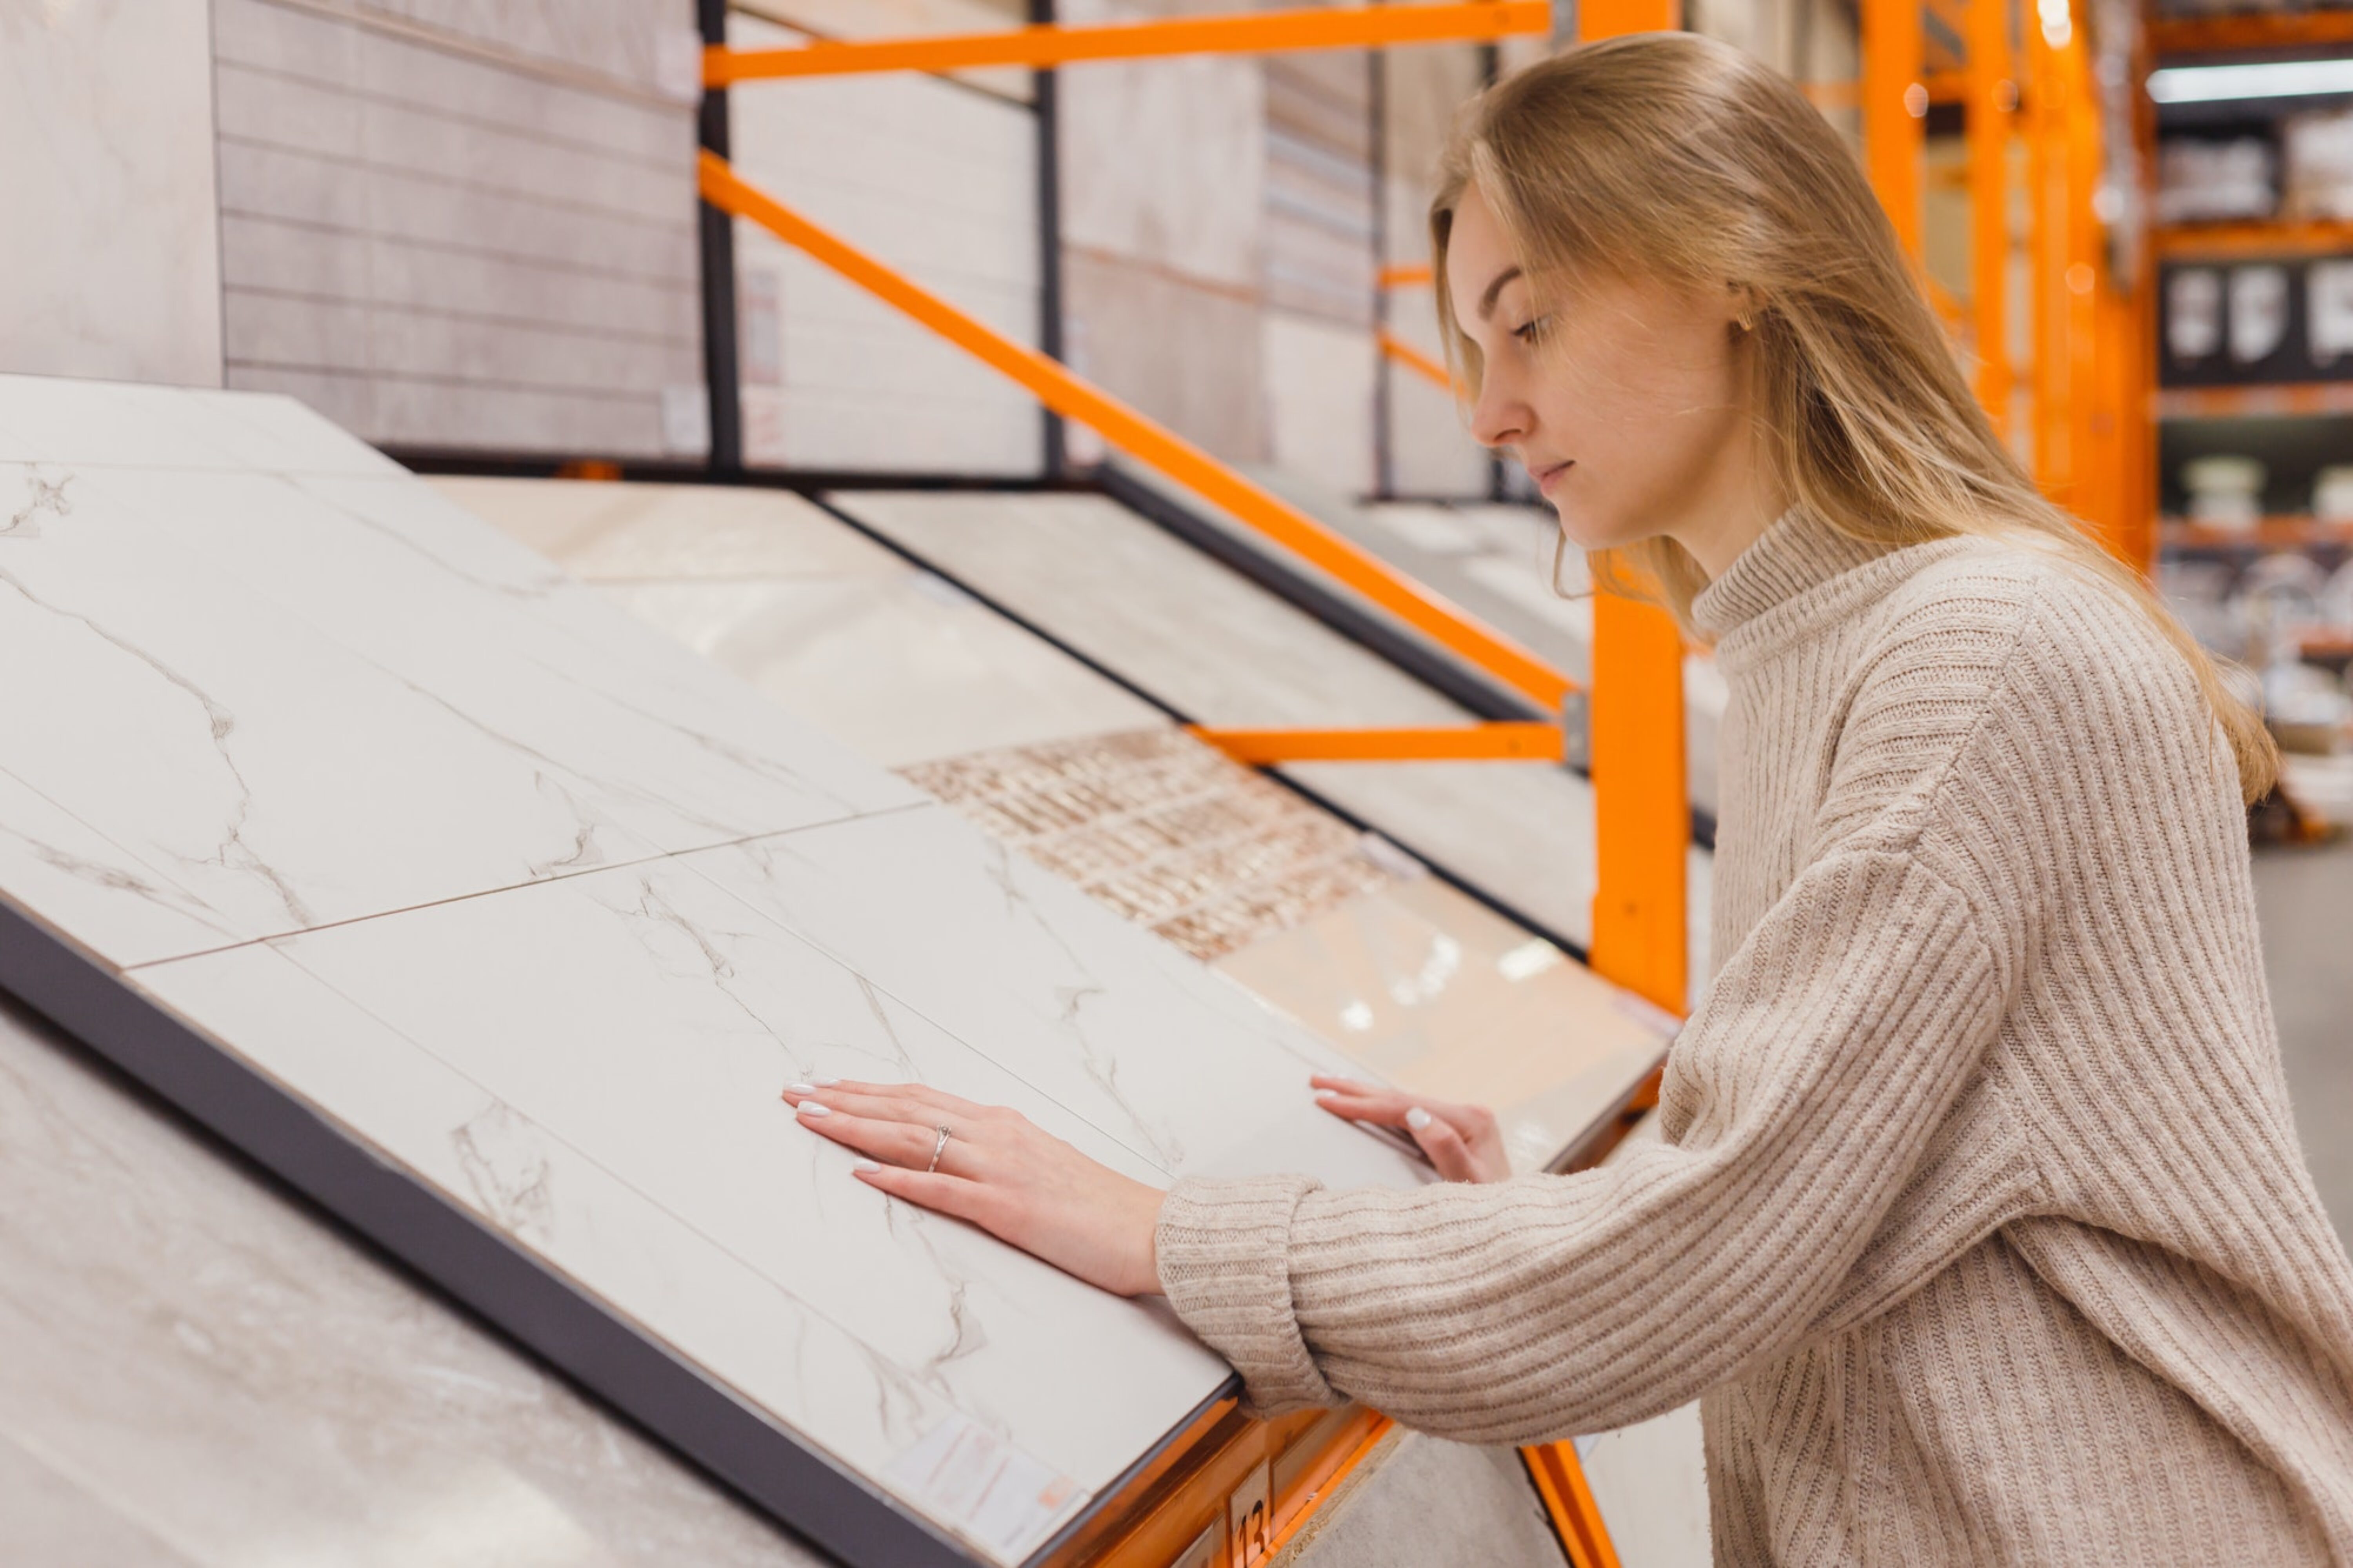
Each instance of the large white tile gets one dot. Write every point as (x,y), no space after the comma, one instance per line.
(663,1270)
(1191,630)
(632,532)
(311,699)
(902,668)
(1171,1058)
(78,424)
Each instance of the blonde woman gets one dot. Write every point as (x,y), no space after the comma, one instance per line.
(1979,1225)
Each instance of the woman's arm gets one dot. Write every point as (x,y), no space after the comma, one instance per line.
(1810,1083)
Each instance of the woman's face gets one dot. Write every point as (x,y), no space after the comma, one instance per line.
(1628,401)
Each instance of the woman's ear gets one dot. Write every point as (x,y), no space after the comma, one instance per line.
(1746,307)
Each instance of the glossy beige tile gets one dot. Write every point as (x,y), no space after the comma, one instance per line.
(1431,991)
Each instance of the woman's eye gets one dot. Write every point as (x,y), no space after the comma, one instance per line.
(1532,331)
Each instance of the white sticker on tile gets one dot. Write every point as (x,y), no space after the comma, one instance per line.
(963,1473)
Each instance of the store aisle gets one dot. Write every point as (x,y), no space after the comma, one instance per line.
(2305,898)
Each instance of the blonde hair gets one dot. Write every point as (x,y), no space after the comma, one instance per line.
(1666,154)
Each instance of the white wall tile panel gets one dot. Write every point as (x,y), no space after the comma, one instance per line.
(461,226)
(936,180)
(109,256)
(541,912)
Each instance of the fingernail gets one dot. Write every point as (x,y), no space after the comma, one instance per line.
(864,1167)
(827,1082)
(811,1107)
(1416,1119)
(1327,1094)
(800,1089)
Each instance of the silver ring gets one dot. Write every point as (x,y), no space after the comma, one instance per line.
(937,1149)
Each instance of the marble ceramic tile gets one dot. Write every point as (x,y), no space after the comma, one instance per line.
(890,660)
(1172,1060)
(1144,602)
(248,666)
(203,1372)
(629,1031)
(1437,994)
(570,1209)
(94,423)
(110,250)
(1227,652)
(630,532)
(900,667)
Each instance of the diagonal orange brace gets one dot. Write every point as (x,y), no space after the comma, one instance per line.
(1352,27)
(1157,446)
(1413,358)
(1498,743)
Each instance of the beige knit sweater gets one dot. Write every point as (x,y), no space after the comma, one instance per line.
(1979,1224)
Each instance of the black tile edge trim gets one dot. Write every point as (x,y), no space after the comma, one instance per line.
(771,1468)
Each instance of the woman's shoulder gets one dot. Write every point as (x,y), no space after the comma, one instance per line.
(1991,612)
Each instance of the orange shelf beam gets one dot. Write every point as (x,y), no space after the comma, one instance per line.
(1406,276)
(2254,30)
(2285,236)
(1413,358)
(1273,32)
(1155,446)
(1560,1482)
(1498,743)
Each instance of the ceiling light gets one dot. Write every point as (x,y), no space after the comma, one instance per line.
(2274,79)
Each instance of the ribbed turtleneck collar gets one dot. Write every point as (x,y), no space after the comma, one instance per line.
(1796,552)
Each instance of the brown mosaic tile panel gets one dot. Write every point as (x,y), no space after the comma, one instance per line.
(1167,831)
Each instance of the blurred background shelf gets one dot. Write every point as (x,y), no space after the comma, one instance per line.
(2303,397)
(2288,532)
(2250,31)
(2260,236)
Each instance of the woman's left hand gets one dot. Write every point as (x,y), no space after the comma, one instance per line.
(1005,1175)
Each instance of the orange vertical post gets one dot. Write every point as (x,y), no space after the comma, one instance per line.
(1892,134)
(1642,806)
(1992,97)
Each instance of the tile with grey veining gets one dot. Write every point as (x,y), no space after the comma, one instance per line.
(300,706)
(1171,1058)
(560,1202)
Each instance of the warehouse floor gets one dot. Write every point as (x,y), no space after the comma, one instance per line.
(2305,901)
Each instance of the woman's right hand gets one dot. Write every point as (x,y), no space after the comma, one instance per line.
(1462,1140)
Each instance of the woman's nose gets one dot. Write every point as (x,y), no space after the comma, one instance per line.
(1500,416)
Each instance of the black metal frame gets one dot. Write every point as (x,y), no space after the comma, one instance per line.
(716,230)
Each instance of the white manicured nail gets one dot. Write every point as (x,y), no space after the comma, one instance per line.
(863,1166)
(1327,1094)
(1416,1119)
(800,1089)
(827,1082)
(811,1107)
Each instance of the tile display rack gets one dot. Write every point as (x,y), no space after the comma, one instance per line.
(398,714)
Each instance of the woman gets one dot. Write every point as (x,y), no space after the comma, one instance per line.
(1978,1224)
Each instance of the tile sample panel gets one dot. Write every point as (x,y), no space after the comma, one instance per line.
(887,658)
(1227,652)
(496,921)
(1436,993)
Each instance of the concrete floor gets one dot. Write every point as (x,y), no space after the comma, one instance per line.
(2305,898)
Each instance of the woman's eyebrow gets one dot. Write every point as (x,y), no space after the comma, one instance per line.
(1487,300)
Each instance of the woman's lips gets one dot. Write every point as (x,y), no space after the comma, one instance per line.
(1544,477)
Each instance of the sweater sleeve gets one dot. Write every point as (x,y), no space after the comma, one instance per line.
(1821,1062)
